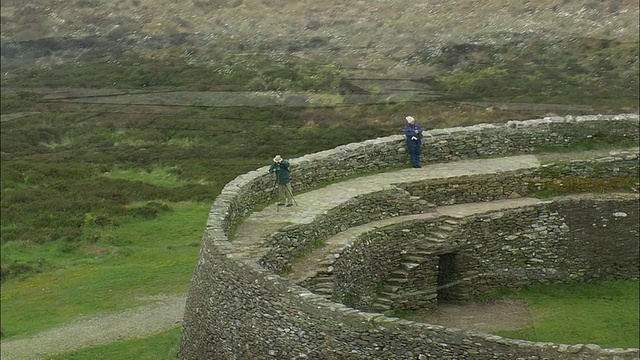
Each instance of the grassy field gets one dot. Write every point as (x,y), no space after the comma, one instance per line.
(128,265)
(163,346)
(604,313)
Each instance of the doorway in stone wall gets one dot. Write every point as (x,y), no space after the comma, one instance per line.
(447,277)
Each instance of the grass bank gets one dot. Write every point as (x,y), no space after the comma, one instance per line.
(603,313)
(163,346)
(140,260)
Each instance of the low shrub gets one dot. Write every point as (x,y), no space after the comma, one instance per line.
(13,269)
(149,210)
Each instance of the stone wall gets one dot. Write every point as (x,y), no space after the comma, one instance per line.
(362,268)
(560,242)
(569,239)
(514,137)
(421,196)
(288,243)
(516,184)
(237,309)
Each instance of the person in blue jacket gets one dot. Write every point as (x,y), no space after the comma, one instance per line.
(281,168)
(413,132)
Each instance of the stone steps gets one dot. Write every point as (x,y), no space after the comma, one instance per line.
(397,281)
(411,261)
(434,242)
(384,301)
(323,291)
(390,289)
(400,274)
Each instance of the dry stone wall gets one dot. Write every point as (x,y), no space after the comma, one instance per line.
(560,241)
(465,189)
(420,197)
(515,137)
(288,243)
(237,309)
(362,268)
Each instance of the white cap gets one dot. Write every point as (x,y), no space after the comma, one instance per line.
(410,119)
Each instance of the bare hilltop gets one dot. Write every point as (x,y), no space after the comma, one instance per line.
(392,36)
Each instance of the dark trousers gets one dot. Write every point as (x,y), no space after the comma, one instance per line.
(414,151)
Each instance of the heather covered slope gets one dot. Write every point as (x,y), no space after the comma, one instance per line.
(180,74)
(582,53)
(390,36)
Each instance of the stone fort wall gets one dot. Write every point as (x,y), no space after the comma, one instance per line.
(239,309)
(422,196)
(564,240)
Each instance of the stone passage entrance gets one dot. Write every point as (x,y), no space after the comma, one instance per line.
(447,277)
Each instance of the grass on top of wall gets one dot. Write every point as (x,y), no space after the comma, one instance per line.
(603,313)
(566,185)
(589,145)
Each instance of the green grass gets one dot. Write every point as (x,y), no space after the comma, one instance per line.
(584,145)
(603,313)
(141,258)
(566,185)
(162,346)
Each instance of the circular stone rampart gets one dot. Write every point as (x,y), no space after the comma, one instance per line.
(459,252)
(238,309)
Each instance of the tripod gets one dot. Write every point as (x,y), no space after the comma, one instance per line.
(288,190)
(276,193)
(284,190)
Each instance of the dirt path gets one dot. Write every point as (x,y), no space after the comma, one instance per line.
(488,316)
(166,313)
(162,314)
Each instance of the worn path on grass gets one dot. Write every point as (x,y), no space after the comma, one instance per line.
(166,312)
(161,314)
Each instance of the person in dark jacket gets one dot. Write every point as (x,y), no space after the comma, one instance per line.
(413,132)
(280,167)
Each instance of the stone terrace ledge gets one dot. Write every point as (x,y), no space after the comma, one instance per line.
(301,270)
(317,202)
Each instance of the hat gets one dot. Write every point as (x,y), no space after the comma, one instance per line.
(410,119)
(278,158)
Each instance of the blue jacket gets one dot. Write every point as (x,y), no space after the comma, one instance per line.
(282,171)
(409,131)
